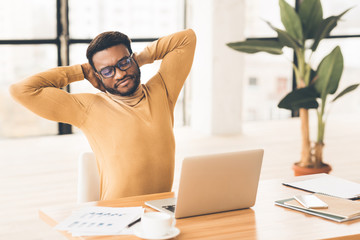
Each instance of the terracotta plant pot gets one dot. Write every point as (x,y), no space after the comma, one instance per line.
(299,171)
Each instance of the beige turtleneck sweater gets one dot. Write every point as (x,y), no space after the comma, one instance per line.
(132,137)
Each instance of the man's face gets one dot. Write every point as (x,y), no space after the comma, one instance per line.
(124,82)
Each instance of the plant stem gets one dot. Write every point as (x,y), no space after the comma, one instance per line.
(300,54)
(300,71)
(318,163)
(319,145)
(321,122)
(305,160)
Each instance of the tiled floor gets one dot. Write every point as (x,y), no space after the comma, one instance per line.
(41,171)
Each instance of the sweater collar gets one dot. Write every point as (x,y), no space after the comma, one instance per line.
(131,100)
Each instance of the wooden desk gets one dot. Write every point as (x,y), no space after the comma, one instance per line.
(263,221)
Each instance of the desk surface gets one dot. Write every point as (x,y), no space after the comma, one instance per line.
(263,221)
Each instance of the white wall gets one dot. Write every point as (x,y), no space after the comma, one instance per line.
(216,77)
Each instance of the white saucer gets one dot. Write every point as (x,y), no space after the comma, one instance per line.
(139,233)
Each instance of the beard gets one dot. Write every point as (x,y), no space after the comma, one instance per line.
(132,78)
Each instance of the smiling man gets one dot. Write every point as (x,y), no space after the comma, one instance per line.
(129,125)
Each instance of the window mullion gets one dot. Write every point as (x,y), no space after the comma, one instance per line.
(63,48)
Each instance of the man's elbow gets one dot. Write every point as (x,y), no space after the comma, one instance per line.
(17,92)
(14,90)
(192,35)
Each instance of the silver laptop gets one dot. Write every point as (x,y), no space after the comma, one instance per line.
(214,183)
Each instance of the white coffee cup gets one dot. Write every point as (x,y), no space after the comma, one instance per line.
(156,224)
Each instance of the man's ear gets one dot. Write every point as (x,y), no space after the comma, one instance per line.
(98,76)
(135,58)
(100,82)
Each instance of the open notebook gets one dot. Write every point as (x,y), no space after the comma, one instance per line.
(328,185)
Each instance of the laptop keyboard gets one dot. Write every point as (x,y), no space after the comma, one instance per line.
(170,208)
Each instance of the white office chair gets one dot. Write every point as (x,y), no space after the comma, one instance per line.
(88,178)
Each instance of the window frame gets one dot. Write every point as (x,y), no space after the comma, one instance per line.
(63,42)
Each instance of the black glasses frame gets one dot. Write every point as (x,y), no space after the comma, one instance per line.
(122,67)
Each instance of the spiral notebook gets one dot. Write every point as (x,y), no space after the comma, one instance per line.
(328,185)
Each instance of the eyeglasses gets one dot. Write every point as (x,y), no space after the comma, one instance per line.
(123,64)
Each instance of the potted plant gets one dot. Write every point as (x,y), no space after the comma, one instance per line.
(304,30)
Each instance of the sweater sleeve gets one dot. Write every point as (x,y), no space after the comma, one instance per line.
(42,94)
(177,54)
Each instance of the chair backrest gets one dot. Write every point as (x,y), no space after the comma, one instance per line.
(88,178)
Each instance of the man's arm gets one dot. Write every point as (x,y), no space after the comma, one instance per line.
(177,53)
(42,95)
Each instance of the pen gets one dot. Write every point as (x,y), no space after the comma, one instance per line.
(134,222)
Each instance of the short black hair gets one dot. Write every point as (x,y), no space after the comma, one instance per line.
(106,40)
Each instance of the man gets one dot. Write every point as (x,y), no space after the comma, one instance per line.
(129,125)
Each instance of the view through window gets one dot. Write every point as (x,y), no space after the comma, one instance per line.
(27,46)
(29,43)
(273,73)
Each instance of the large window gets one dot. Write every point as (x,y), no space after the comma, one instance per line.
(43,34)
(23,19)
(268,78)
(27,45)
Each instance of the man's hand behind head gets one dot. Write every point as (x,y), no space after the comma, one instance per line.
(91,76)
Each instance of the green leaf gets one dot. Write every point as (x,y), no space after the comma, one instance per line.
(285,38)
(254,46)
(326,26)
(291,20)
(313,76)
(329,73)
(300,98)
(345,91)
(311,16)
